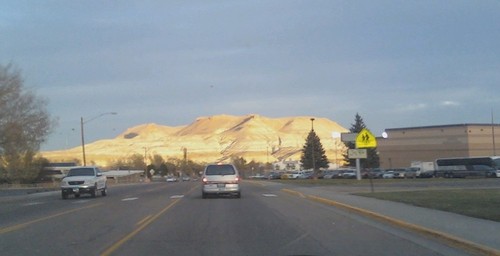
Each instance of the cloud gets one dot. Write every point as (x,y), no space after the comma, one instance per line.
(411,107)
(449,103)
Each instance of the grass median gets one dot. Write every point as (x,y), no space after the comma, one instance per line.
(478,203)
(479,198)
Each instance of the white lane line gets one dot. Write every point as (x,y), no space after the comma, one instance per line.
(32,203)
(80,201)
(130,199)
(176,196)
(269,195)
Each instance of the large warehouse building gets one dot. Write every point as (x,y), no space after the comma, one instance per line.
(404,145)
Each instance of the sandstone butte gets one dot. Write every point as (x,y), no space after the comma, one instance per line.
(213,139)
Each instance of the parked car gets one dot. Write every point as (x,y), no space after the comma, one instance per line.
(171,179)
(257,177)
(329,174)
(290,175)
(399,173)
(220,179)
(305,175)
(410,173)
(274,176)
(83,180)
(388,175)
(488,171)
(338,174)
(375,173)
(349,174)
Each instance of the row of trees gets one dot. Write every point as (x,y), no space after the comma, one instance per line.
(178,167)
(158,164)
(25,123)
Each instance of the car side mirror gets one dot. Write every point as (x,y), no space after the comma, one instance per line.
(99,175)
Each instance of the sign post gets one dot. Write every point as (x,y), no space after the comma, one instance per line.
(364,139)
(359,153)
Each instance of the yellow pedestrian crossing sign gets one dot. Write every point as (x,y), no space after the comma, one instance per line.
(365,139)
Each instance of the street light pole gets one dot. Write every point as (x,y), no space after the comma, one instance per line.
(493,134)
(336,136)
(82,122)
(83,142)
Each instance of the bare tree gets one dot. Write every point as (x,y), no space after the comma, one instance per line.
(24,125)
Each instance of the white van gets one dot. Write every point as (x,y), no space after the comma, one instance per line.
(219,179)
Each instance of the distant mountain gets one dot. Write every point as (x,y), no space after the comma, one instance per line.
(212,139)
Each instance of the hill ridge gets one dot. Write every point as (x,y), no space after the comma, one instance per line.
(213,138)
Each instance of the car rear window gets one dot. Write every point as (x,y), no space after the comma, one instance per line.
(220,170)
(81,172)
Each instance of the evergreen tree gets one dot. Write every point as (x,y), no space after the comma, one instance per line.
(372,159)
(313,154)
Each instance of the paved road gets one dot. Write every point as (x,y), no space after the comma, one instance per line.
(172,219)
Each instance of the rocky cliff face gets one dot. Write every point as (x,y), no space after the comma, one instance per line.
(214,138)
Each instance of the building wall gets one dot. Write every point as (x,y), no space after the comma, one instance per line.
(404,145)
(481,140)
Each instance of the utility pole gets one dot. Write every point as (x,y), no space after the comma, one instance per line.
(493,134)
(82,122)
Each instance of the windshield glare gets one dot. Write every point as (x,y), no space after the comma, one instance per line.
(81,172)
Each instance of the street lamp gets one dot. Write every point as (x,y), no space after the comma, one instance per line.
(82,122)
(336,136)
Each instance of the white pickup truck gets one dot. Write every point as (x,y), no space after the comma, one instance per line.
(83,180)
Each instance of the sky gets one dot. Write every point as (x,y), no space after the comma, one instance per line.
(396,63)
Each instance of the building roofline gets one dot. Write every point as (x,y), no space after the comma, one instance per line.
(443,126)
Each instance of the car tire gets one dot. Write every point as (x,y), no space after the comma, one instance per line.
(104,192)
(77,195)
(238,195)
(203,195)
(64,195)
(93,191)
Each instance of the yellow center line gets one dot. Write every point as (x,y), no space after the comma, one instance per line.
(142,225)
(143,220)
(22,225)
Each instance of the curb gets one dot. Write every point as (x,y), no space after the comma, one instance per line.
(447,238)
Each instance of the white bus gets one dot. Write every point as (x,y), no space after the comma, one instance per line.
(461,167)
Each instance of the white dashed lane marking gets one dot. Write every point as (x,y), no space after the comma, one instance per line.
(130,199)
(269,195)
(32,203)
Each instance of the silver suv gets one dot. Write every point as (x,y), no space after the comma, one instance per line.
(83,180)
(221,179)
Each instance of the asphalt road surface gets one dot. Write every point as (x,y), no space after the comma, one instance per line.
(162,218)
